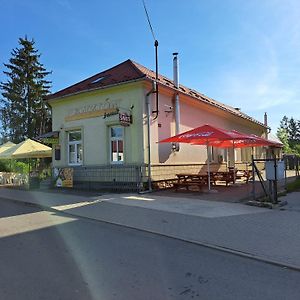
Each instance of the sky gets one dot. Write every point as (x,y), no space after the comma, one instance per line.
(241,53)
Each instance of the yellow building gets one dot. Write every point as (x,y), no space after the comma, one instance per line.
(103,124)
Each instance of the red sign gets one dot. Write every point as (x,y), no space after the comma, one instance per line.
(125,119)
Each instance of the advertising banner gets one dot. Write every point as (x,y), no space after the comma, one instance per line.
(63,177)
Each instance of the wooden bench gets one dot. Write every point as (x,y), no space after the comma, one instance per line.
(245,170)
(244,175)
(187,180)
(227,176)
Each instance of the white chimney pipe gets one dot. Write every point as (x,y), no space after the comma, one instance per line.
(175,70)
(266,124)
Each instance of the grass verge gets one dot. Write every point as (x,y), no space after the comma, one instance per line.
(293,186)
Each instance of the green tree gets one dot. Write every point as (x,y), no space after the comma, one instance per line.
(23,111)
(293,130)
(282,134)
(284,123)
(289,134)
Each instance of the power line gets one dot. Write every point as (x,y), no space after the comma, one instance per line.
(149,22)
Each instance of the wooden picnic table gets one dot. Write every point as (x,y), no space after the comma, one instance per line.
(227,176)
(186,180)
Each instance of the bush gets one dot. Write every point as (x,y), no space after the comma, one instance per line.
(20,167)
(4,166)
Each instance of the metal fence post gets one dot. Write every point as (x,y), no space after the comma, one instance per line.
(275,198)
(253,177)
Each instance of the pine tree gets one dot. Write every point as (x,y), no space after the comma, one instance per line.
(293,131)
(284,123)
(23,111)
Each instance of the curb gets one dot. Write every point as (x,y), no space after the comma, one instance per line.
(195,242)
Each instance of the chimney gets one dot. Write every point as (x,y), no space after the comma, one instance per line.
(175,70)
(266,124)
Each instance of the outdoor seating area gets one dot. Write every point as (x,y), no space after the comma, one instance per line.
(28,152)
(215,137)
(225,176)
(11,178)
(186,180)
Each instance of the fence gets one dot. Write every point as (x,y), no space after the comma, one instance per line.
(292,162)
(132,177)
(135,177)
(109,177)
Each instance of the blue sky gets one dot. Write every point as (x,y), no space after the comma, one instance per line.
(242,53)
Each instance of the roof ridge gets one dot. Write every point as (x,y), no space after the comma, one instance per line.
(136,66)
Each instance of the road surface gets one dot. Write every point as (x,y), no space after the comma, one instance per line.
(45,255)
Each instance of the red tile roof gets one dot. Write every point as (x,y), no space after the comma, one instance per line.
(129,71)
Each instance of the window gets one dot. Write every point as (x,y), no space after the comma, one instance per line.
(225,154)
(211,154)
(75,147)
(116,144)
(245,155)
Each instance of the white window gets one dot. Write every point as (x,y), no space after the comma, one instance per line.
(116,144)
(211,154)
(225,154)
(245,154)
(75,147)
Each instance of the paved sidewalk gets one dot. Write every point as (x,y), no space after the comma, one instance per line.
(269,235)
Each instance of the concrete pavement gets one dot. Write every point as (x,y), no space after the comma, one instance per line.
(260,233)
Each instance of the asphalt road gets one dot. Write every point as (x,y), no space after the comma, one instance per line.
(45,255)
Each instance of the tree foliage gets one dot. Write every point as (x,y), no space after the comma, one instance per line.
(289,134)
(23,110)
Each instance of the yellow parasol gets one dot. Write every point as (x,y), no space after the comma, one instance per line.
(6,146)
(26,149)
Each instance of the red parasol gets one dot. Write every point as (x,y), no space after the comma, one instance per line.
(204,135)
(212,136)
(241,140)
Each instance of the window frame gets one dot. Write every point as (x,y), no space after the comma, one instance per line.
(76,143)
(118,162)
(211,154)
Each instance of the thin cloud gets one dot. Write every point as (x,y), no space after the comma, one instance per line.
(64,3)
(264,83)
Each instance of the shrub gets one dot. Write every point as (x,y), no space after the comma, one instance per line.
(20,167)
(4,166)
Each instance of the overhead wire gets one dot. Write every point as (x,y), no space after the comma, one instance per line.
(148,19)
(156,59)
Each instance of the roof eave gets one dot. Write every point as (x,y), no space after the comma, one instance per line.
(94,89)
(243,116)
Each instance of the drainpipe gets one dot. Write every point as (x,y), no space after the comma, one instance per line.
(148,105)
(177,106)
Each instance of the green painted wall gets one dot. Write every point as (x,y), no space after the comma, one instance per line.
(95,131)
